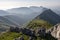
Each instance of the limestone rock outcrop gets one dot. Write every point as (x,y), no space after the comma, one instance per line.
(55,31)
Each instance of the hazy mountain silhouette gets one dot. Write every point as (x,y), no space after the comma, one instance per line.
(24,14)
(3,13)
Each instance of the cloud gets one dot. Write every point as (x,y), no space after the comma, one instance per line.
(7,4)
(31,0)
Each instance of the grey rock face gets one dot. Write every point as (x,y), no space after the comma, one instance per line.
(55,31)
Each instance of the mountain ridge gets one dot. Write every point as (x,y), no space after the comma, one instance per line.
(50,16)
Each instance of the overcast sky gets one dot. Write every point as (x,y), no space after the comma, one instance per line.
(8,4)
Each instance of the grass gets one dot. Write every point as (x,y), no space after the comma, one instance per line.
(33,24)
(39,23)
(12,36)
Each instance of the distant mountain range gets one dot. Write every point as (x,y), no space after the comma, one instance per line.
(22,15)
(26,10)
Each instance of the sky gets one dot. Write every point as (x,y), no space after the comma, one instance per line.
(8,4)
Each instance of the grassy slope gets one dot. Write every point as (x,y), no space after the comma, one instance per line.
(39,23)
(12,36)
(33,24)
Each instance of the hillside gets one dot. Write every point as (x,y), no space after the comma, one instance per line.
(4,27)
(49,16)
(3,13)
(11,36)
(5,24)
(35,29)
(39,23)
(23,15)
(7,21)
(19,19)
(34,24)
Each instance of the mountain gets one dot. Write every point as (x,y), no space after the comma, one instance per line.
(7,21)
(27,10)
(4,27)
(21,10)
(50,16)
(37,23)
(20,19)
(56,10)
(35,29)
(17,19)
(23,15)
(3,13)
